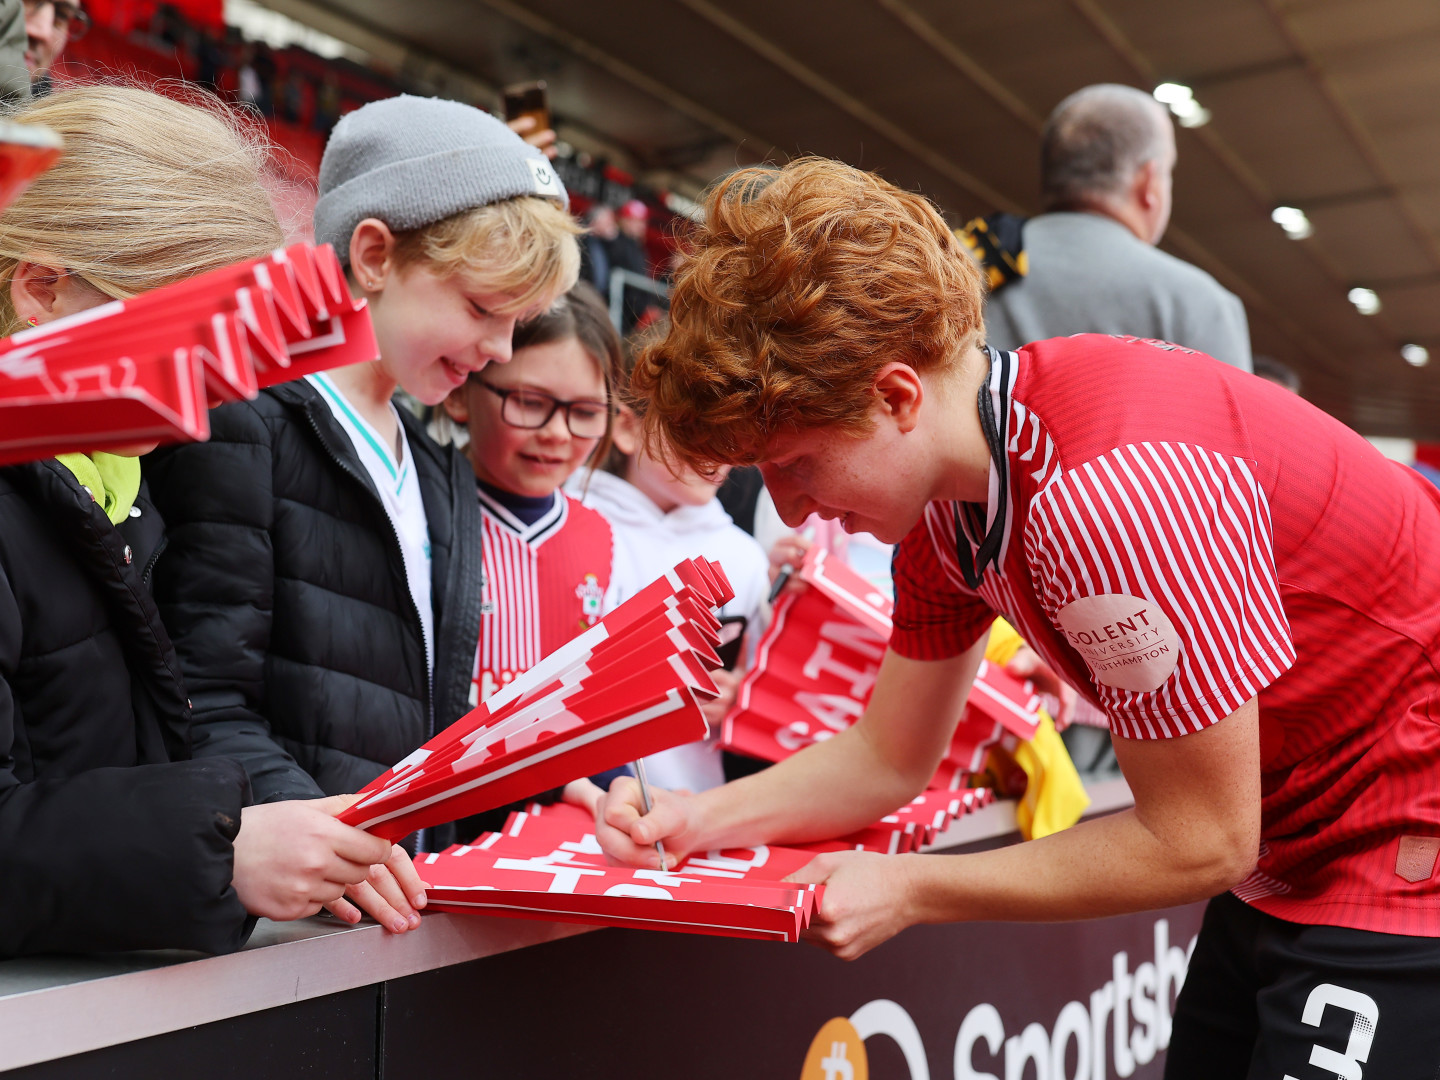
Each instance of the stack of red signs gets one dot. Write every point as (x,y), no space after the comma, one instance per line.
(675,900)
(817,664)
(547,864)
(914,825)
(145,369)
(625,688)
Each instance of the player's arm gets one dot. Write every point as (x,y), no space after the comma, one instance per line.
(826,790)
(1193,833)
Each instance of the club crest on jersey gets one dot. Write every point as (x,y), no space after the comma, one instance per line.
(590,594)
(1128,641)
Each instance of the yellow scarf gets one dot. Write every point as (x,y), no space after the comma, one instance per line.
(1055,796)
(113,481)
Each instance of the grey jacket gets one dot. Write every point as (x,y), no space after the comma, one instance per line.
(1091,275)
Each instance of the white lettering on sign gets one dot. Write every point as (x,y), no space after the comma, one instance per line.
(718,863)
(1128,641)
(853,636)
(835,711)
(796,735)
(861,680)
(563,879)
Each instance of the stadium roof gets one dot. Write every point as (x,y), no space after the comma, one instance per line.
(1328,106)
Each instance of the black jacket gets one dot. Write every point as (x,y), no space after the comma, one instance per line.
(284,588)
(109,838)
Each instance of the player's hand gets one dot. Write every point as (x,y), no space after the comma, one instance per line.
(869,898)
(1026,664)
(627,834)
(788,551)
(293,858)
(524,126)
(392,894)
(728,683)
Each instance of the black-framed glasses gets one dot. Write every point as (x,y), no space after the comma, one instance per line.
(532,409)
(69,17)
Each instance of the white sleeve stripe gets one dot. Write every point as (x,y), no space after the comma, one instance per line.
(1078,558)
(1247,496)
(1181,613)
(1158,581)
(1223,651)
(1190,529)
(1238,558)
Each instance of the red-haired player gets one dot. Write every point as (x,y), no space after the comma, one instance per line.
(1243,584)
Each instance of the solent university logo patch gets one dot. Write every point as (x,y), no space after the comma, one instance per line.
(1128,641)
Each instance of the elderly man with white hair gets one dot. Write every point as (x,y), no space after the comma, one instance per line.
(1106,158)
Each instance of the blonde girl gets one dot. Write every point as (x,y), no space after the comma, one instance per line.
(111,836)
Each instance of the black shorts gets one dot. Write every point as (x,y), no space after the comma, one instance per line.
(1266,999)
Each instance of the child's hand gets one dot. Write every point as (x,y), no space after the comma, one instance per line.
(788,551)
(584,793)
(293,858)
(728,683)
(392,895)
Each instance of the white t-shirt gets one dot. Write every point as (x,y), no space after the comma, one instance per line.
(648,541)
(399,488)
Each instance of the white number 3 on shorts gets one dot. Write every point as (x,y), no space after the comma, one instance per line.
(1344,1066)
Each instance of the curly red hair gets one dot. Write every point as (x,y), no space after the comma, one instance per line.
(799,286)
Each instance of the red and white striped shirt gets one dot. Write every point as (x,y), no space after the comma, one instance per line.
(1181,537)
(545,582)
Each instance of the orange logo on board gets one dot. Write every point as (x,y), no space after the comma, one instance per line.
(836,1053)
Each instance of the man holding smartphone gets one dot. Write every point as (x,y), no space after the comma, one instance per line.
(527,113)
(1240,582)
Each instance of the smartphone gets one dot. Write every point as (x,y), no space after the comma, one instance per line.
(732,640)
(26,151)
(528,99)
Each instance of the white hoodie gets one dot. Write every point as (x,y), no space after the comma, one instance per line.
(648,542)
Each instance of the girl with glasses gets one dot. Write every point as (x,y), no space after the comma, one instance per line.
(532,424)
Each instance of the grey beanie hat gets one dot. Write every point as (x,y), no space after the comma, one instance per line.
(411,161)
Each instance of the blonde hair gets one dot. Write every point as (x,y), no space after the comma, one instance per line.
(149,191)
(524,247)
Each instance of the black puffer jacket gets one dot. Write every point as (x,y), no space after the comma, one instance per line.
(109,839)
(284,588)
